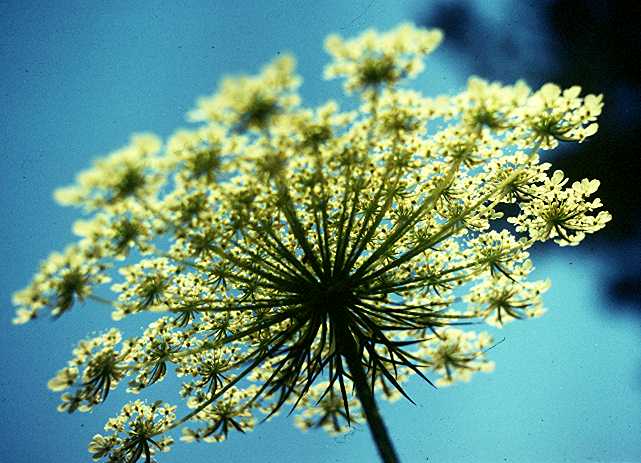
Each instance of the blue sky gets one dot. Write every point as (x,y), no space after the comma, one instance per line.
(79,77)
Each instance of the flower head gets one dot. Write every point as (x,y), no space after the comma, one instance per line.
(63,280)
(251,102)
(122,179)
(314,258)
(375,59)
(135,433)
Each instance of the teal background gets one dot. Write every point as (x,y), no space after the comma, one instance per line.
(79,77)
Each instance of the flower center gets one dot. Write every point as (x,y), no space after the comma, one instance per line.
(328,298)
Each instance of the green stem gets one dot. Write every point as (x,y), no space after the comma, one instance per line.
(365,395)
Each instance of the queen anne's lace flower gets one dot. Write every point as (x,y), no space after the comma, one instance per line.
(63,280)
(374,59)
(326,410)
(145,287)
(552,115)
(135,433)
(501,300)
(231,412)
(95,369)
(491,106)
(251,102)
(564,215)
(458,354)
(313,258)
(119,180)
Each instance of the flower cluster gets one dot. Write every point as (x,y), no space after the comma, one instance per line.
(324,408)
(375,59)
(457,354)
(252,102)
(314,258)
(102,369)
(563,214)
(552,115)
(135,433)
(119,180)
(64,279)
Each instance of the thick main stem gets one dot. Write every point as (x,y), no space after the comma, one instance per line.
(366,397)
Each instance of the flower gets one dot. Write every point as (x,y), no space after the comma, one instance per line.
(562,214)
(314,258)
(327,410)
(134,433)
(501,300)
(552,115)
(374,59)
(120,180)
(251,102)
(63,280)
(145,286)
(491,106)
(458,354)
(232,411)
(102,370)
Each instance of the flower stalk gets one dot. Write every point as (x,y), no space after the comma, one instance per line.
(364,391)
